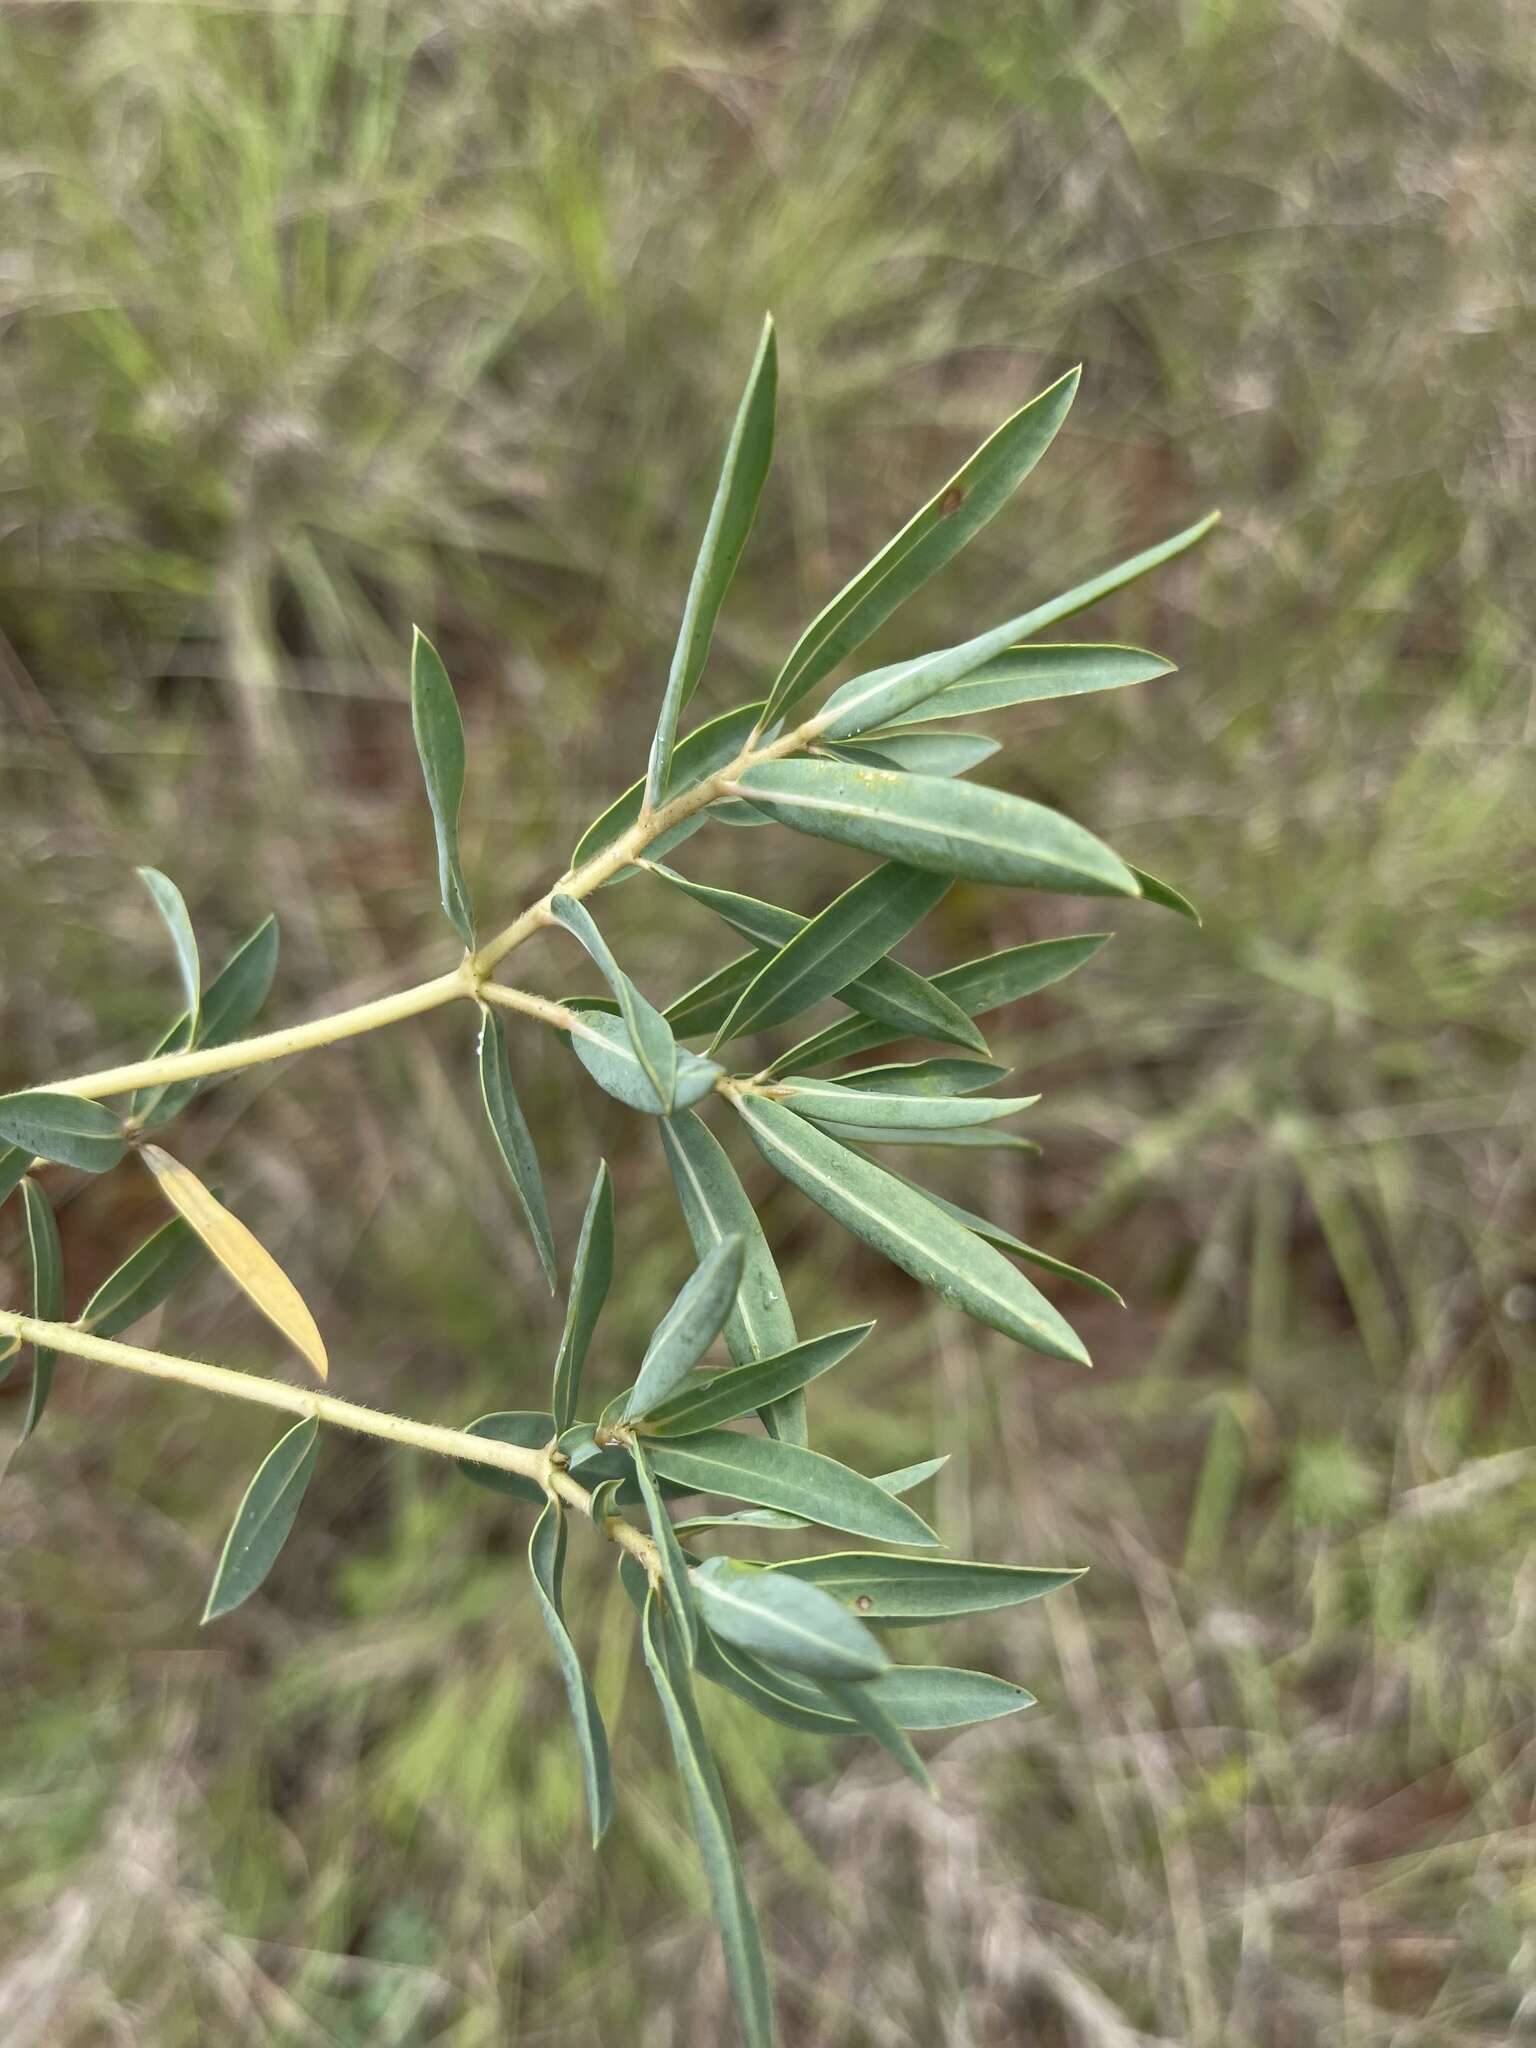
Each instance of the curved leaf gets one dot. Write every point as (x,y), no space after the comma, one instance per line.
(171,904)
(143,1280)
(688,1328)
(807,1630)
(901,1592)
(1166,895)
(546,1563)
(514,1140)
(1007,1242)
(860,1705)
(264,1518)
(704,752)
(912,1695)
(440,744)
(675,1575)
(649,1032)
(925,1077)
(47,1260)
(603,1045)
(48,1124)
(920,753)
(1033,674)
(231,1001)
(827,1102)
(591,1277)
(709,1002)
(787,1476)
(705,1400)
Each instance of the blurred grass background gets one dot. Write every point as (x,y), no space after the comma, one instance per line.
(318,319)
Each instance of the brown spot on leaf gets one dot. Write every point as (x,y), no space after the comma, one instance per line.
(951,501)
(863,1603)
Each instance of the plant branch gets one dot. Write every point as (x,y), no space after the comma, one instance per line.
(376,1422)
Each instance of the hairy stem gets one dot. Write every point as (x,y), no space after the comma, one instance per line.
(377,1422)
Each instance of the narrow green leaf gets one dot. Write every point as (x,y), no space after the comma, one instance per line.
(264,1518)
(14,1161)
(674,1566)
(514,1140)
(1165,894)
(715,1206)
(909,1230)
(231,1002)
(172,907)
(47,1260)
(986,1140)
(887,991)
(66,1128)
(688,1328)
(1007,1242)
(975,987)
(705,1400)
(143,1280)
(912,1695)
(862,1706)
(742,475)
(546,1563)
(734,1917)
(952,517)
(709,1002)
(747,1606)
(949,828)
(591,1277)
(902,1592)
(649,1032)
(925,1077)
(853,934)
(920,753)
(529,1429)
(704,752)
(827,1102)
(768,1474)
(440,743)
(1033,674)
(604,1047)
(901,1481)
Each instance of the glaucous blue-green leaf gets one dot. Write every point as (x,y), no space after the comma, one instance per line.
(744,1963)
(952,517)
(925,1077)
(768,1474)
(264,1518)
(950,828)
(171,904)
(887,991)
(703,752)
(853,934)
(47,1261)
(50,1125)
(901,1592)
(747,1606)
(689,1326)
(706,1400)
(920,753)
(901,1481)
(860,1705)
(1031,1254)
(975,987)
(14,1161)
(675,1577)
(528,1428)
(440,743)
(747,456)
(514,1140)
(591,1277)
(985,1140)
(546,1563)
(827,1102)
(913,1695)
(649,1032)
(1032,674)
(231,1002)
(709,1002)
(144,1279)
(715,1206)
(909,1230)
(604,1047)
(1166,895)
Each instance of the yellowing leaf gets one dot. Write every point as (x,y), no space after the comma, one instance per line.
(247,1262)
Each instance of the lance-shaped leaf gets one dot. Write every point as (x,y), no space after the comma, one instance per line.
(787,1476)
(706,1005)
(925,1077)
(1007,1242)
(901,1481)
(530,1429)
(976,987)
(952,517)
(887,991)
(1030,675)
(675,1576)
(591,1277)
(231,1001)
(705,1400)
(514,1140)
(171,904)
(47,1294)
(853,934)
(908,1229)
(810,1634)
(440,743)
(603,1045)
(950,828)
(987,1140)
(688,1328)
(546,1563)
(1166,895)
(747,456)
(920,753)
(901,1592)
(14,1161)
(66,1128)
(745,1967)
(860,1705)
(247,1262)
(649,1032)
(715,1206)
(911,1695)
(264,1518)
(704,752)
(144,1279)
(827,1102)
